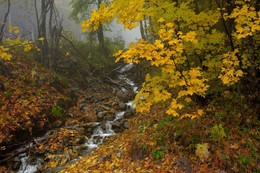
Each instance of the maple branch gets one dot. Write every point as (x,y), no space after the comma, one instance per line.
(227,31)
(182,75)
(225,25)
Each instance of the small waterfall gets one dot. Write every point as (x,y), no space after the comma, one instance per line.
(109,128)
(26,165)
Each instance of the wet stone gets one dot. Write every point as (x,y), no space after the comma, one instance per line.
(128,113)
(126,125)
(109,117)
(119,154)
(83,107)
(80,140)
(122,105)
(119,93)
(103,125)
(16,165)
(105,107)
(116,124)
(90,99)
(100,115)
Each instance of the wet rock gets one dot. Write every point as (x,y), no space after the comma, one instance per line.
(81,131)
(116,124)
(40,168)
(128,113)
(119,93)
(105,107)
(122,105)
(82,150)
(100,115)
(97,139)
(16,164)
(16,159)
(67,156)
(32,161)
(103,125)
(119,125)
(126,125)
(97,109)
(109,117)
(81,140)
(119,154)
(90,99)
(83,107)
(89,127)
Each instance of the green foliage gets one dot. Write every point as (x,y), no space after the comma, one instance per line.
(244,160)
(57,111)
(218,133)
(80,9)
(158,153)
(164,123)
(8,94)
(92,53)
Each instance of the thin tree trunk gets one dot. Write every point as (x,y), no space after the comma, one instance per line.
(100,34)
(257,5)
(5,20)
(142,30)
(152,30)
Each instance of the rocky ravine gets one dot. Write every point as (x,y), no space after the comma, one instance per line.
(101,111)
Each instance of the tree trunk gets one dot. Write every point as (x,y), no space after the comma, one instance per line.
(42,33)
(142,30)
(101,40)
(152,38)
(100,34)
(5,20)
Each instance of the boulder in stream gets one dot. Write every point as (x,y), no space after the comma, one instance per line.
(100,115)
(122,105)
(109,117)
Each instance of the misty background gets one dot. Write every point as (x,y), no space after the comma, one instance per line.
(22,14)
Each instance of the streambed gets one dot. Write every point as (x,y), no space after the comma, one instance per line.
(61,146)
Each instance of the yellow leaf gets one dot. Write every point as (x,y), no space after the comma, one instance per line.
(202,151)
(41,38)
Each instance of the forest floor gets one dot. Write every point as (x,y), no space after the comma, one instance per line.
(34,101)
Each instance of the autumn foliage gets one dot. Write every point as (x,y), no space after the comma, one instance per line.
(204,74)
(196,47)
(197,109)
(29,92)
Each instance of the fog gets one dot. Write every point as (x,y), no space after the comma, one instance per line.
(22,14)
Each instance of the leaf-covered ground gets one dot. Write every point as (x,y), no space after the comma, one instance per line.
(155,142)
(28,100)
(158,143)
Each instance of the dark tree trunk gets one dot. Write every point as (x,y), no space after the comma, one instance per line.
(49,44)
(101,42)
(5,20)
(100,34)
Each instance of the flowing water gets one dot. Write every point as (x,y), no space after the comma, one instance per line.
(98,135)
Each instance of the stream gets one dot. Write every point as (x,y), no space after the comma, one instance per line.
(105,127)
